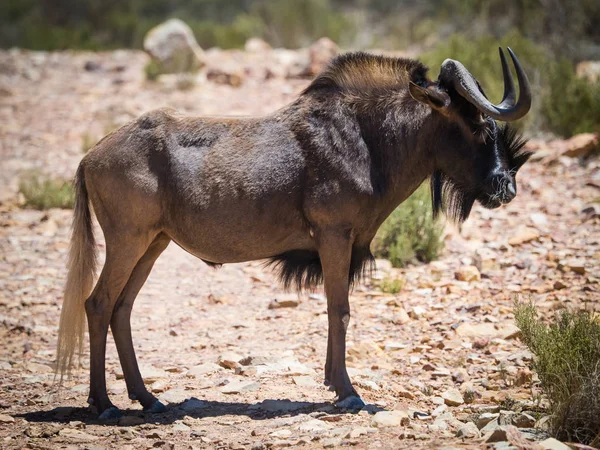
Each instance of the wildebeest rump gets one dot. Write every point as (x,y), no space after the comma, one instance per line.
(305,188)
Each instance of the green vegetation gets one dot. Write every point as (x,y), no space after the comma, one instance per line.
(392,285)
(567,361)
(410,232)
(42,192)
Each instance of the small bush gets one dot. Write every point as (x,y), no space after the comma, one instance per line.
(41,192)
(567,361)
(573,104)
(392,285)
(410,232)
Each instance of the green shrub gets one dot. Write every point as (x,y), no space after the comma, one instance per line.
(410,232)
(567,361)
(392,285)
(573,104)
(41,192)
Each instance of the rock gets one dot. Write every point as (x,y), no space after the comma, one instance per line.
(523,235)
(523,420)
(331,442)
(294,63)
(480,343)
(281,433)
(229,360)
(460,376)
(364,350)
(320,53)
(505,417)
(497,435)
(452,397)
(390,419)
(158,386)
(192,404)
(417,312)
(225,74)
(581,145)
(130,421)
(589,70)
(150,374)
(360,431)
(203,369)
(468,273)
(5,418)
(181,427)
(490,426)
(553,444)
(256,45)
(574,265)
(237,387)
(73,435)
(314,426)
(174,396)
(304,380)
(173,47)
(485,259)
(523,377)
(284,302)
(485,418)
(468,430)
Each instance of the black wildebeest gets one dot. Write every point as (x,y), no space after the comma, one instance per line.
(305,188)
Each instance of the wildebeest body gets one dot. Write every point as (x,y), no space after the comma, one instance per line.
(305,188)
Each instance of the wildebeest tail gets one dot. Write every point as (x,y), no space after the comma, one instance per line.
(81,271)
(302,270)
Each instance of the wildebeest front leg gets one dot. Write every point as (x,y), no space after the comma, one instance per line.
(335,252)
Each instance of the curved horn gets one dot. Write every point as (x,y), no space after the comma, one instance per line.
(455,74)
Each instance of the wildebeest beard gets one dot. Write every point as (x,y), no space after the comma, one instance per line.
(455,199)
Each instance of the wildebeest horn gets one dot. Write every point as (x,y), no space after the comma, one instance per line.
(455,74)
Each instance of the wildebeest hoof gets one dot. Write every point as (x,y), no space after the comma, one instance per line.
(157,407)
(111,413)
(353,403)
(331,388)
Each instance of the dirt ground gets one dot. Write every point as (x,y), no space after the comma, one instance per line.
(407,352)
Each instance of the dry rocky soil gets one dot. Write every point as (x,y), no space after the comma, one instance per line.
(237,360)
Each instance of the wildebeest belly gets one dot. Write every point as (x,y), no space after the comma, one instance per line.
(230,204)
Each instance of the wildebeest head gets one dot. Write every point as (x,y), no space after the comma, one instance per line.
(478,159)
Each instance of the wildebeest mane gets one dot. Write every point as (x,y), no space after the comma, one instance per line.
(302,270)
(360,72)
(456,201)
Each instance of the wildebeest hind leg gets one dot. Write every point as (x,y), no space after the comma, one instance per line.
(335,252)
(120,325)
(123,251)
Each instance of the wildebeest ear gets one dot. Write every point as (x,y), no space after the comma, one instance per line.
(430,95)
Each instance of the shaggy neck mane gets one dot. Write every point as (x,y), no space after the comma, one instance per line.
(360,73)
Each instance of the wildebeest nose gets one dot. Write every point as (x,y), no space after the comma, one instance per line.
(509,190)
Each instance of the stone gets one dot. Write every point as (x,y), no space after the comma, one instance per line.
(284,302)
(452,397)
(468,330)
(460,376)
(237,387)
(485,418)
(179,426)
(523,420)
(229,360)
(130,421)
(360,431)
(203,369)
(293,63)
(390,419)
(364,350)
(490,426)
(485,259)
(468,430)
(314,426)
(589,70)
(285,433)
(5,418)
(174,396)
(256,45)
(523,377)
(468,273)
(331,442)
(553,444)
(77,436)
(524,235)
(173,47)
(304,380)
(227,74)
(150,374)
(581,145)
(193,404)
(320,53)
